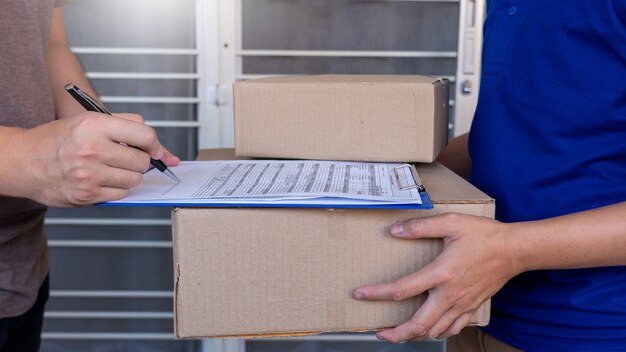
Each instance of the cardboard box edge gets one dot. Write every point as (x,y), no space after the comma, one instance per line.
(176,300)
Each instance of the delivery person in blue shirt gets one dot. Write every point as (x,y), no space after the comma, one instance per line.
(548,142)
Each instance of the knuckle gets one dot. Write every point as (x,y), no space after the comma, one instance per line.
(81,175)
(398,293)
(138,162)
(445,275)
(453,220)
(417,330)
(144,162)
(84,196)
(135,180)
(87,151)
(414,226)
(89,120)
(136,117)
(151,136)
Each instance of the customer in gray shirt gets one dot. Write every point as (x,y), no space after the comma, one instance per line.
(52,153)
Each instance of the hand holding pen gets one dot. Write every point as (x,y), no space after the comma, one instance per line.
(81,159)
(90,104)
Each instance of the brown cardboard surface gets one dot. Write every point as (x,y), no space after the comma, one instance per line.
(244,272)
(337,117)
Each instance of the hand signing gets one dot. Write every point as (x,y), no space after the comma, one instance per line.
(87,159)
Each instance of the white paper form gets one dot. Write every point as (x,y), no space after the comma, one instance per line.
(276,182)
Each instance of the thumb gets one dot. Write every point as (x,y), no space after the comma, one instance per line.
(438,226)
(170,159)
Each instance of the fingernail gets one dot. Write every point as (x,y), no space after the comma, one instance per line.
(380,337)
(397,228)
(359,295)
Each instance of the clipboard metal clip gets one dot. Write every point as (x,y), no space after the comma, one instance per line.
(408,178)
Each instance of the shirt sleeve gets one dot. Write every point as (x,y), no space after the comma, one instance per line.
(59,3)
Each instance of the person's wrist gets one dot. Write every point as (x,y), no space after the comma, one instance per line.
(13,173)
(518,248)
(27,161)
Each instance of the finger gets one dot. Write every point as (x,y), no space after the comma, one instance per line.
(134,134)
(403,288)
(120,178)
(421,323)
(459,324)
(131,117)
(445,323)
(108,194)
(95,195)
(431,227)
(125,157)
(170,159)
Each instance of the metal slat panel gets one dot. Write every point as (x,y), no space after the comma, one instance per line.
(107,315)
(108,244)
(133,51)
(141,75)
(105,336)
(348,53)
(109,294)
(150,100)
(108,221)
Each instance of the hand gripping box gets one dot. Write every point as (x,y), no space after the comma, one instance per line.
(383,118)
(253,272)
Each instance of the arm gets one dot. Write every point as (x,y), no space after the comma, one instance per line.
(456,280)
(63,68)
(76,160)
(455,156)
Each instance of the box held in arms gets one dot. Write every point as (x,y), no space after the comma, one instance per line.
(253,272)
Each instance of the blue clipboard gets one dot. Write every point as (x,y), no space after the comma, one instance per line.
(426,205)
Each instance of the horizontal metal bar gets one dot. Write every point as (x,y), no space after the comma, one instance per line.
(134,51)
(107,336)
(108,244)
(349,53)
(255,76)
(107,315)
(109,294)
(155,123)
(154,100)
(108,221)
(141,75)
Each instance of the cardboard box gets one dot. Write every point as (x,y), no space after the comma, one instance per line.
(342,117)
(252,272)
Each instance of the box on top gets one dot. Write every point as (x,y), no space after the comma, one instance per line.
(379,118)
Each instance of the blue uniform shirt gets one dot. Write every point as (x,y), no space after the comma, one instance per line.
(549,138)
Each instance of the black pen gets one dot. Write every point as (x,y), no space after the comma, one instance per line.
(91,104)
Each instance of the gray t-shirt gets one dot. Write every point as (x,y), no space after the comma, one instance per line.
(25,101)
